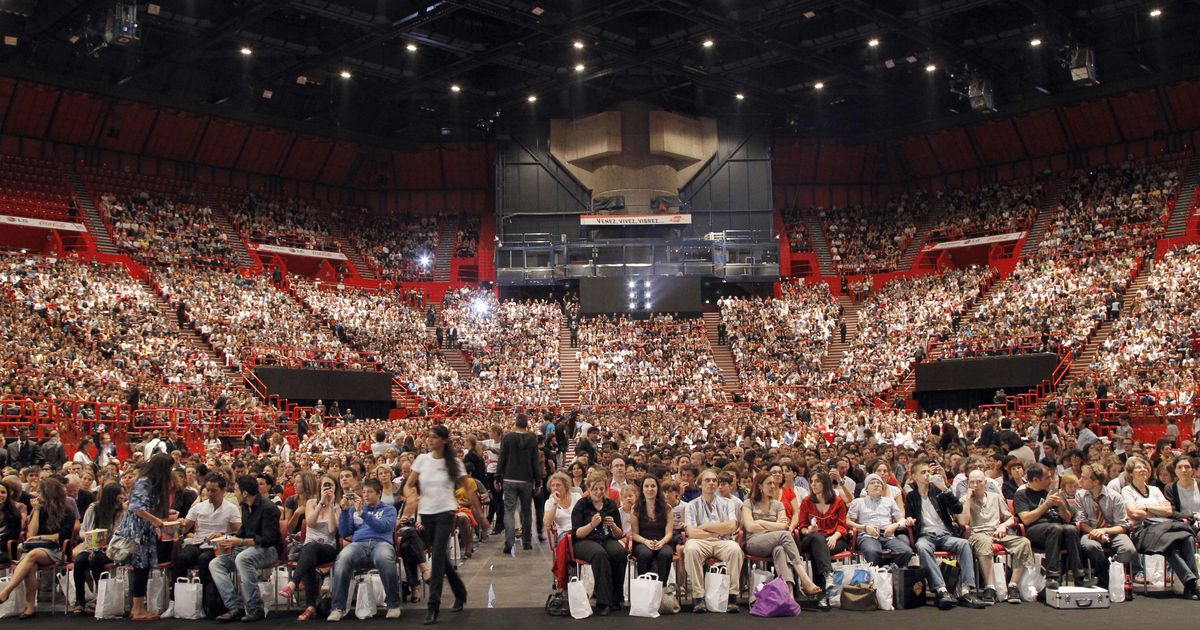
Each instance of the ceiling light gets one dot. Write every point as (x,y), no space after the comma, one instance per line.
(930,68)
(267,94)
(873,42)
(1155,12)
(538,9)
(346,74)
(10,40)
(708,43)
(532,98)
(153,9)
(579,67)
(740,96)
(819,85)
(246,51)
(1035,42)
(577,44)
(455,88)
(411,48)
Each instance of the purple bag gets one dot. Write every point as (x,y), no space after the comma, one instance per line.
(774,599)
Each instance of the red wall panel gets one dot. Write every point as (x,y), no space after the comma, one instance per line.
(998,142)
(953,150)
(175,135)
(265,149)
(338,164)
(1091,124)
(1041,133)
(307,156)
(920,158)
(466,166)
(222,142)
(30,110)
(77,118)
(7,87)
(1185,104)
(126,127)
(420,170)
(1138,114)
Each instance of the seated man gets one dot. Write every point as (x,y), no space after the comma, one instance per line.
(933,526)
(876,519)
(255,545)
(991,524)
(369,525)
(1102,520)
(207,519)
(711,522)
(1049,524)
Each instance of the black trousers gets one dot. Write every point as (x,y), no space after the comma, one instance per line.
(1053,538)
(608,567)
(88,562)
(412,554)
(496,505)
(816,547)
(657,561)
(192,557)
(312,555)
(438,528)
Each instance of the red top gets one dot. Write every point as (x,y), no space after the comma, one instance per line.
(831,522)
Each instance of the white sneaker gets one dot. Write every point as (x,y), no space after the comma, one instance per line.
(393,613)
(168,613)
(336,615)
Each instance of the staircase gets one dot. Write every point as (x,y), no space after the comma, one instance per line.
(922,236)
(445,249)
(457,360)
(731,380)
(1186,201)
(233,374)
(232,236)
(95,225)
(837,349)
(357,261)
(1045,215)
(568,367)
(820,245)
(1096,341)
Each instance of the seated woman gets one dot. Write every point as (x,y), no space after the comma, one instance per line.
(51,523)
(557,518)
(596,524)
(823,531)
(465,519)
(105,513)
(768,534)
(320,544)
(12,523)
(412,551)
(1154,531)
(653,531)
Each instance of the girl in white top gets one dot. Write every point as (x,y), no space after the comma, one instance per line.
(559,505)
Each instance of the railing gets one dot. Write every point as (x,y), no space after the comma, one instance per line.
(995,346)
(311,358)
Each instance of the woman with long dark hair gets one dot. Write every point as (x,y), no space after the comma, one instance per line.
(105,513)
(149,505)
(823,531)
(12,523)
(51,522)
(653,528)
(439,472)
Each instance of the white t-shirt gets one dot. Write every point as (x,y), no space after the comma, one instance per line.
(211,521)
(1154,497)
(437,492)
(562,515)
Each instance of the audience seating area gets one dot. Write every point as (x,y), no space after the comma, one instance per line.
(401,248)
(864,239)
(286,222)
(986,210)
(37,189)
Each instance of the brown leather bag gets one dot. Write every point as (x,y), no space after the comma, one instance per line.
(859,597)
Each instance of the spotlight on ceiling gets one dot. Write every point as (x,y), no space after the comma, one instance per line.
(246,52)
(1035,42)
(424,261)
(267,94)
(455,88)
(819,85)
(345,74)
(538,9)
(873,42)
(10,40)
(411,48)
(739,96)
(579,67)
(931,68)
(532,98)
(708,43)
(577,44)
(1155,12)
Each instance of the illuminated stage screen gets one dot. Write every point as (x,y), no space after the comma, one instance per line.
(646,295)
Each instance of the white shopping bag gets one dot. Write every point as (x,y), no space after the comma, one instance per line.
(716,588)
(1034,581)
(645,596)
(588,578)
(999,578)
(1156,571)
(189,599)
(15,605)
(758,577)
(375,582)
(883,589)
(577,599)
(630,576)
(365,604)
(110,596)
(158,596)
(66,584)
(1116,582)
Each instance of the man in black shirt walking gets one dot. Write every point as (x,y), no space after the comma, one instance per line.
(519,470)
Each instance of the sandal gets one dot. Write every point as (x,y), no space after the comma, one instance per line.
(414,595)
(308,613)
(77,610)
(287,590)
(813,592)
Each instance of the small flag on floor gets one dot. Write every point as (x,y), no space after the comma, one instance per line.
(491,596)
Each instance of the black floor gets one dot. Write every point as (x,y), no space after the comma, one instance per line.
(1163,613)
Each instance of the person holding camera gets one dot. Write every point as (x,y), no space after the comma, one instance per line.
(596,523)
(369,524)
(1050,524)
(319,546)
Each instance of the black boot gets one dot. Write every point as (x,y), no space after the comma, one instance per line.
(459,602)
(431,614)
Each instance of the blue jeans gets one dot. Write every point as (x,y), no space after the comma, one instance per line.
(929,543)
(375,554)
(872,549)
(244,565)
(514,492)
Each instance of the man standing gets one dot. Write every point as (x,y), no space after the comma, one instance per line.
(711,522)
(24,452)
(934,527)
(518,469)
(491,448)
(369,524)
(1049,524)
(255,546)
(53,453)
(207,519)
(991,524)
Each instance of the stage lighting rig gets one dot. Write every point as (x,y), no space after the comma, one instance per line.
(121,28)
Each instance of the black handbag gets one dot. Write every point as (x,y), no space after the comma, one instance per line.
(859,597)
(40,543)
(908,588)
(556,604)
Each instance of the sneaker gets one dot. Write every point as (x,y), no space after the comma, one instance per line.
(970,600)
(335,615)
(1052,582)
(943,600)
(733,608)
(232,615)
(507,549)
(1014,594)
(393,613)
(989,596)
(257,614)
(603,611)
(698,606)
(1084,580)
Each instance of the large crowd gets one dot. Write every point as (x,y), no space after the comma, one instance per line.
(286,222)
(865,239)
(166,231)
(401,248)
(985,210)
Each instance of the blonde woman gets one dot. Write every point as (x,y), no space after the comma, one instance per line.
(558,508)
(320,543)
